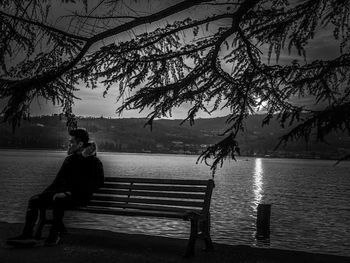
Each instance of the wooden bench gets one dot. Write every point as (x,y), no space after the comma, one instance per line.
(148,197)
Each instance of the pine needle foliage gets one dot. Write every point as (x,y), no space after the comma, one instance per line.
(209,54)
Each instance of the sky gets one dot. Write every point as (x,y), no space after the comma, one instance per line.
(93,104)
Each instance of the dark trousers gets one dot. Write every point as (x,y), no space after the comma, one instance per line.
(45,200)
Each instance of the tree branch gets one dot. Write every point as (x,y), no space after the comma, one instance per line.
(43,26)
(181,28)
(101,17)
(173,54)
(40,81)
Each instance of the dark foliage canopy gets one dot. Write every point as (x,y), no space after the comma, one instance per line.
(158,55)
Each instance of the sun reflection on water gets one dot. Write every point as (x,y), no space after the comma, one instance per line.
(258,182)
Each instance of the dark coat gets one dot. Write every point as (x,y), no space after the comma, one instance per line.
(80,175)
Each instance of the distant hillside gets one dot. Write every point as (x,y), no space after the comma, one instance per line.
(168,136)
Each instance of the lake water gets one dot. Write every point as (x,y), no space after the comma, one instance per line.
(310,198)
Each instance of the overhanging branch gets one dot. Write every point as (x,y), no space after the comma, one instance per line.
(43,26)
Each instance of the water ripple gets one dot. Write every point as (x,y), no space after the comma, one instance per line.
(310,198)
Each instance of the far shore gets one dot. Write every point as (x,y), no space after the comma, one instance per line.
(87,245)
(178,154)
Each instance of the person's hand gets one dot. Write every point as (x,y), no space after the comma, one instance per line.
(59,196)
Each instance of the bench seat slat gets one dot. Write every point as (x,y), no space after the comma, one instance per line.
(147,201)
(156,181)
(163,188)
(153,194)
(130,212)
(142,207)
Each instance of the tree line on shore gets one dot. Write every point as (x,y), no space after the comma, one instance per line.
(168,136)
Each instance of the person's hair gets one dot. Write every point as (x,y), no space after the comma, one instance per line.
(80,134)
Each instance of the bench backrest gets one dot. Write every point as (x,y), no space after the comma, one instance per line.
(171,195)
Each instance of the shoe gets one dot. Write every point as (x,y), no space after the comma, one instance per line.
(22,239)
(52,240)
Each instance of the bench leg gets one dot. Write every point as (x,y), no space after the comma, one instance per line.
(63,229)
(42,221)
(206,234)
(192,240)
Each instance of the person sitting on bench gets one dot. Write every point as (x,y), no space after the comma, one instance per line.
(79,176)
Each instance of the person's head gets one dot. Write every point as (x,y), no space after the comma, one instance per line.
(79,138)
